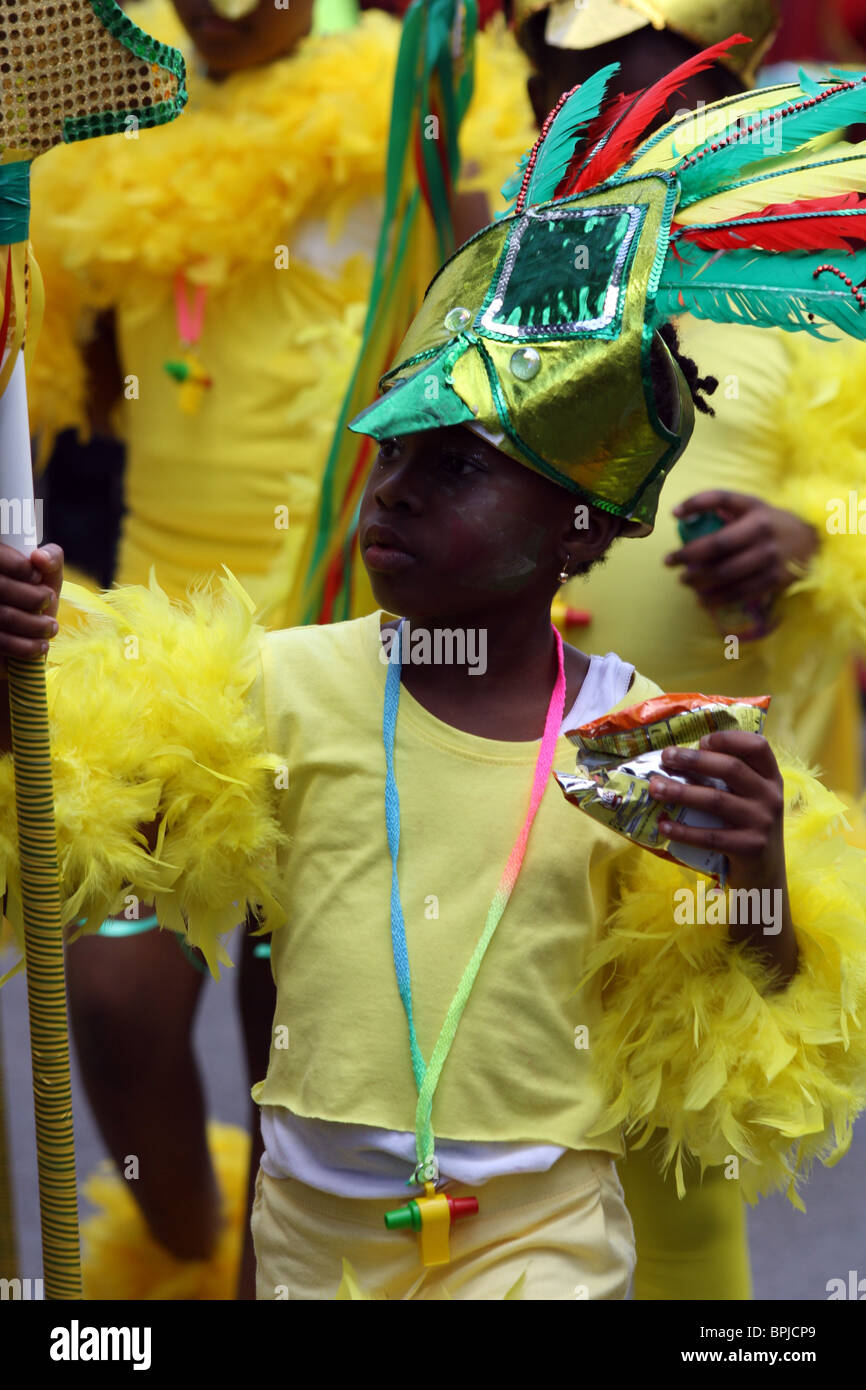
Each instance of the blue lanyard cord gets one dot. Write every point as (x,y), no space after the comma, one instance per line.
(427,1078)
(392,825)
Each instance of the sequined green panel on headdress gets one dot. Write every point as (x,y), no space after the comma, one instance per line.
(539,332)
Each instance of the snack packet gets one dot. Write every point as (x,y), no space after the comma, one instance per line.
(617,755)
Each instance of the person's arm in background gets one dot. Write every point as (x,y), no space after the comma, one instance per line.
(497,130)
(104,374)
(82,481)
(760,551)
(799,427)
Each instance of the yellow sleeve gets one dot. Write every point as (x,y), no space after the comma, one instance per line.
(694,1042)
(158,720)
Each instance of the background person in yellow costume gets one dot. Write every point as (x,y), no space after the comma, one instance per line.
(787,436)
(235,282)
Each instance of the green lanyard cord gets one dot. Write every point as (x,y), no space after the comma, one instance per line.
(427,1075)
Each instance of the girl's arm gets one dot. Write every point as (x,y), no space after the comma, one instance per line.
(29,594)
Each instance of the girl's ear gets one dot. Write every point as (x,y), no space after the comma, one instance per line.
(589,534)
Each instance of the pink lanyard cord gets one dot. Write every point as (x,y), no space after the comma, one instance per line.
(189,315)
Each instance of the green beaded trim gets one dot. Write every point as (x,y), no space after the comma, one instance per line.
(415,360)
(149,50)
(651,323)
(762,178)
(666,130)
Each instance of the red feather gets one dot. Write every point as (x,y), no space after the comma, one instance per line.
(621,144)
(803,233)
(611,112)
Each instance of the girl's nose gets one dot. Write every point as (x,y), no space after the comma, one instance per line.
(398,482)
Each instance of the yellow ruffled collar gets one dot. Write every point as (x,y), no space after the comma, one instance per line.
(220,190)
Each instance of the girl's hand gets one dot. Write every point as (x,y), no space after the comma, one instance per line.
(29,595)
(754,556)
(752,837)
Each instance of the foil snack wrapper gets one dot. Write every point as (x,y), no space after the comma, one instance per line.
(618,754)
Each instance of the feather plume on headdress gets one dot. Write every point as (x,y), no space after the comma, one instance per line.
(739,212)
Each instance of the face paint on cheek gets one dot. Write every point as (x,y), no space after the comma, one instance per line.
(510,555)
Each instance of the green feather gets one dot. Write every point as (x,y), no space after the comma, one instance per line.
(765,291)
(685,119)
(809,84)
(787,133)
(555,152)
(512,185)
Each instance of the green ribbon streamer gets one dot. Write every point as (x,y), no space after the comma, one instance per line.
(14,202)
(424,54)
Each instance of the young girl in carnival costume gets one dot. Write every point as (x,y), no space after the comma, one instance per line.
(225,265)
(786,437)
(324,776)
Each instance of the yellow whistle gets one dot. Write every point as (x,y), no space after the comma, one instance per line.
(192,379)
(431,1216)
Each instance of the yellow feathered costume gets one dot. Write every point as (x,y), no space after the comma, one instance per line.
(157,717)
(122,1259)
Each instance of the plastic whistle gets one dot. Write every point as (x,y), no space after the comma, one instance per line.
(192,379)
(563,615)
(432,1216)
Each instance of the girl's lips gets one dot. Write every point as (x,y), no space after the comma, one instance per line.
(387,559)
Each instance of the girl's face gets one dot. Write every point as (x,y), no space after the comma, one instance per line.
(448,524)
(260,37)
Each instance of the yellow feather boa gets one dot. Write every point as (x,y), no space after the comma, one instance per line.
(721,1064)
(156,721)
(213,192)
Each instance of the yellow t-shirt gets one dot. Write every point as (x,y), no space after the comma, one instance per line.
(237,483)
(514,1072)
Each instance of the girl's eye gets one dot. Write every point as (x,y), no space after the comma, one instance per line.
(458,464)
(389,449)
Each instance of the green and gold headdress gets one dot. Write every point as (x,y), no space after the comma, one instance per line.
(539,331)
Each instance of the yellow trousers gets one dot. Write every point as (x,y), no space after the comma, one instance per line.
(558,1236)
(694,1249)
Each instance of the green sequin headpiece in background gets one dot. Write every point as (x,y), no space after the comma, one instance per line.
(539,331)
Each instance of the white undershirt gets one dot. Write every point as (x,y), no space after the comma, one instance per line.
(363,1161)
